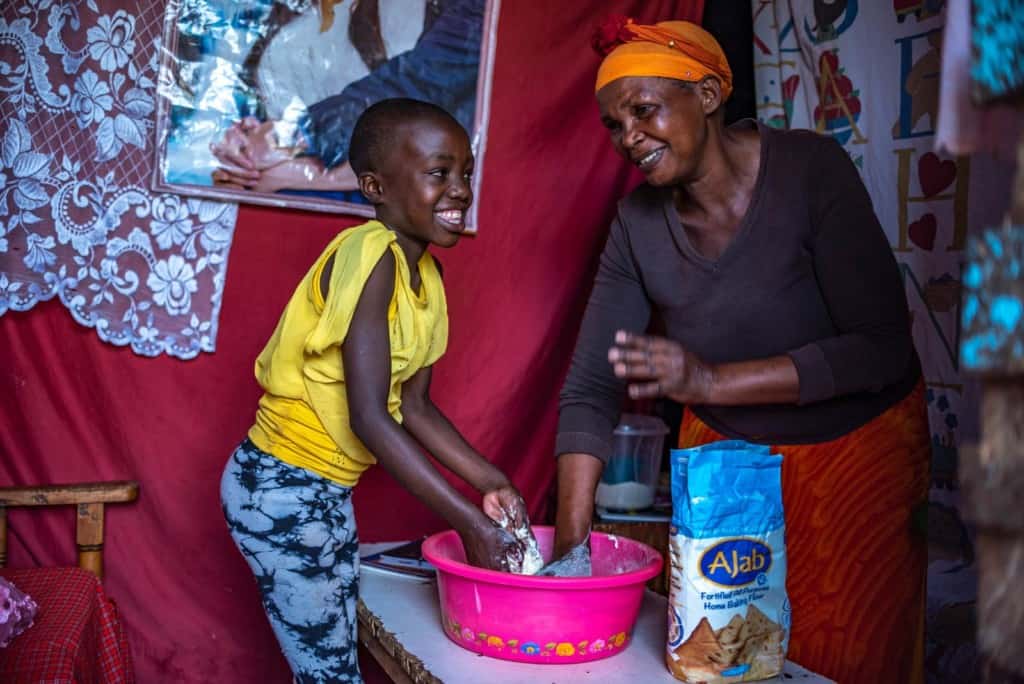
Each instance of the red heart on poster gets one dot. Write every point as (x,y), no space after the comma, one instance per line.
(922,232)
(935,175)
(830,59)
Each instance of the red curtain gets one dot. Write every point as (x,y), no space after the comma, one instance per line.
(75,409)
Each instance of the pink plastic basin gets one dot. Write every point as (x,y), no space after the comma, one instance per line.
(543,619)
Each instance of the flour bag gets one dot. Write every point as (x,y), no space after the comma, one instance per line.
(728,615)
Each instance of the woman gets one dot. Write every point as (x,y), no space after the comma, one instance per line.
(786,324)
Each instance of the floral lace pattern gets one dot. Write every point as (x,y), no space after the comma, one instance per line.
(77,219)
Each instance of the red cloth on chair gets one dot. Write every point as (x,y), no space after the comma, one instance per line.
(77,637)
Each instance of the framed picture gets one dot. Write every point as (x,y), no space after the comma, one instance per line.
(257,98)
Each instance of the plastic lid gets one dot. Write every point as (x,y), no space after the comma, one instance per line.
(641,426)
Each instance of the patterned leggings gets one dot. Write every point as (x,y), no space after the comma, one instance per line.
(298,534)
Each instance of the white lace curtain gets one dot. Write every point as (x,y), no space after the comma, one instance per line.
(77,220)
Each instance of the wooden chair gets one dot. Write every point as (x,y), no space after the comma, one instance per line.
(89,497)
(77,635)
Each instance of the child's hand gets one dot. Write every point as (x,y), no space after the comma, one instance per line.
(492,548)
(506,507)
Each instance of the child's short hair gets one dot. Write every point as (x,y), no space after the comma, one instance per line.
(374,131)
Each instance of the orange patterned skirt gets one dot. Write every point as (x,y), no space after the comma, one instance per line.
(856,573)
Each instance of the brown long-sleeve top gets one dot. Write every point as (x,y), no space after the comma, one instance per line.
(809,274)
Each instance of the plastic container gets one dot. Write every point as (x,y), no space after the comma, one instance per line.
(543,619)
(630,477)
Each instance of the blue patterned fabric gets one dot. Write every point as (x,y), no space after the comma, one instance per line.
(993,307)
(77,218)
(998,44)
(297,531)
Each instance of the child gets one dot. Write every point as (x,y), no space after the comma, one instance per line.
(346,379)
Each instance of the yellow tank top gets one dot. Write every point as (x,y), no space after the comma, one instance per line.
(302,417)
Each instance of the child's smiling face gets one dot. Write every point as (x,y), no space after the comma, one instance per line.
(424,184)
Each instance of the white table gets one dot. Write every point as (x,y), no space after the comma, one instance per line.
(400,623)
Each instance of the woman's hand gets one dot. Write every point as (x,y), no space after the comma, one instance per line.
(294,173)
(303,173)
(506,507)
(659,367)
(251,145)
(489,546)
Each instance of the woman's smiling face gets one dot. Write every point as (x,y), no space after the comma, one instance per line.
(658,124)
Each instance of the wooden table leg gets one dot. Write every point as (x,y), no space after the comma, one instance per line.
(400,665)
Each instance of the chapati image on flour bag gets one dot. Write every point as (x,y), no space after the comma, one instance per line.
(728,613)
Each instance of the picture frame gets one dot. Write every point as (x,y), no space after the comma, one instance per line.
(235,82)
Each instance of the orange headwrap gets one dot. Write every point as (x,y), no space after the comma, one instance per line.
(671,49)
